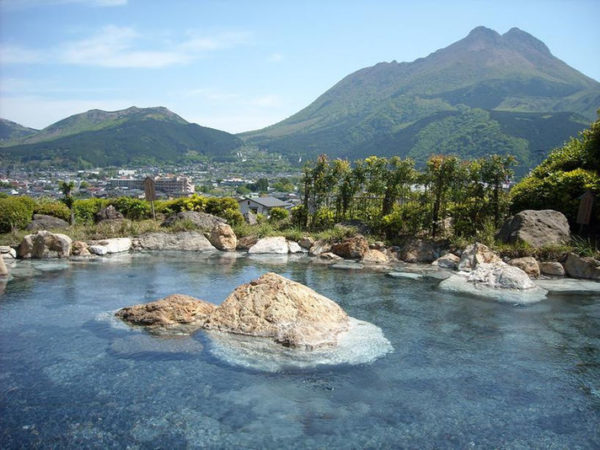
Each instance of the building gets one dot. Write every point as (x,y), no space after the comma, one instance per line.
(261,205)
(171,186)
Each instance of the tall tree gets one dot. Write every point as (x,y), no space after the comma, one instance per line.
(67,191)
(441,170)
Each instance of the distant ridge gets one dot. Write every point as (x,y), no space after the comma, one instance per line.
(132,135)
(487,93)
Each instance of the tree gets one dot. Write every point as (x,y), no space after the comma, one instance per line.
(495,171)
(441,170)
(398,176)
(67,191)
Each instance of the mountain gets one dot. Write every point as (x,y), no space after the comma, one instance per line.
(486,93)
(117,138)
(11,131)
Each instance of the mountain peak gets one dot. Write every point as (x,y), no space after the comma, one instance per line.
(518,38)
(483,32)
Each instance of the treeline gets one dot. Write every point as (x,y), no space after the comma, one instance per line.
(17,212)
(392,197)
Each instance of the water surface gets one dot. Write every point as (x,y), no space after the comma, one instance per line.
(464,372)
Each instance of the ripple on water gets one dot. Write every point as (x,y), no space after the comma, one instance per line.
(362,344)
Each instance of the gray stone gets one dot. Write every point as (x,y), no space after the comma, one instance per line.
(294,247)
(203,221)
(108,213)
(448,261)
(3,269)
(582,267)
(7,252)
(223,237)
(553,269)
(527,264)
(306,242)
(536,228)
(184,240)
(476,254)
(418,251)
(319,247)
(44,222)
(250,218)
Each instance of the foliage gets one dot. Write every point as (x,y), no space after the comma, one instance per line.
(560,180)
(278,214)
(323,219)
(52,208)
(15,213)
(132,208)
(86,209)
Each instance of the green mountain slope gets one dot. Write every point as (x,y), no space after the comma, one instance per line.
(130,136)
(11,131)
(469,98)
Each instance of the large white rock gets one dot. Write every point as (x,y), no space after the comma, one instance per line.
(498,281)
(115,245)
(99,250)
(45,244)
(294,247)
(8,252)
(476,254)
(276,244)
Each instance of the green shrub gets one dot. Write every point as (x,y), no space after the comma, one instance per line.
(299,216)
(323,219)
(15,213)
(53,208)
(86,209)
(132,208)
(408,218)
(233,216)
(278,214)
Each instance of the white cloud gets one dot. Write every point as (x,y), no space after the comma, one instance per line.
(266,101)
(219,41)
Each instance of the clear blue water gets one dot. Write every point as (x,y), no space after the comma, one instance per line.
(464,372)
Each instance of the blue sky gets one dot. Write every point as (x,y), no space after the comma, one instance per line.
(242,65)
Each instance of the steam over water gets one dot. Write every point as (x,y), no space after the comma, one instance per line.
(421,367)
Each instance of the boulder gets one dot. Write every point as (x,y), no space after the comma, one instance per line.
(320,246)
(80,248)
(272,245)
(582,267)
(374,256)
(536,228)
(288,312)
(246,242)
(113,245)
(476,254)
(552,268)
(176,311)
(44,222)
(45,244)
(418,251)
(377,245)
(7,252)
(306,242)
(193,241)
(108,213)
(448,261)
(527,264)
(3,269)
(354,247)
(250,218)
(201,220)
(294,247)
(99,250)
(499,281)
(223,237)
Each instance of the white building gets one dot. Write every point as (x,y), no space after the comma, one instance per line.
(261,205)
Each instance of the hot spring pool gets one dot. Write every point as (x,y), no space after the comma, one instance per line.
(460,371)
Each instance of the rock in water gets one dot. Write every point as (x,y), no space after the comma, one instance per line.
(354,247)
(448,261)
(582,267)
(45,244)
(552,268)
(3,269)
(174,312)
(276,244)
(528,264)
(536,228)
(223,237)
(288,312)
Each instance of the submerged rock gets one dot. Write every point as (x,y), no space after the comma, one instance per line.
(288,312)
(169,313)
(498,281)
(276,244)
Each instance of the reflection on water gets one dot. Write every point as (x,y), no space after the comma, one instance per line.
(463,372)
